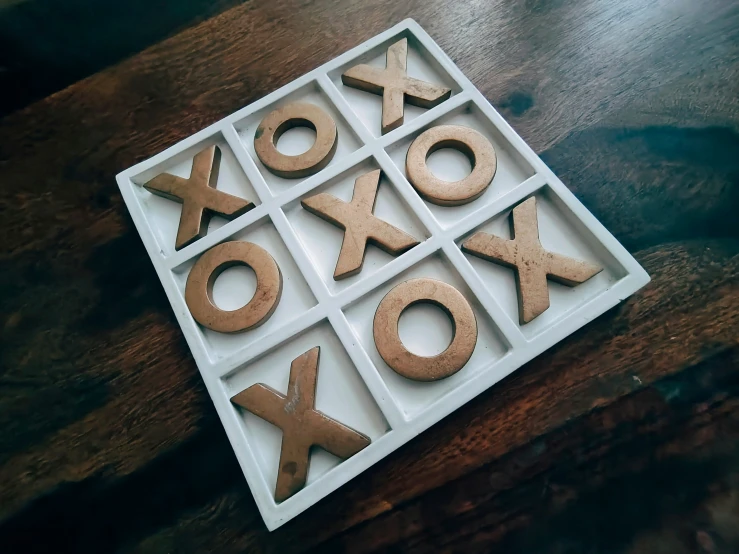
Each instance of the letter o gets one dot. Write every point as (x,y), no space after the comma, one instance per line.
(425,368)
(475,146)
(297,114)
(199,288)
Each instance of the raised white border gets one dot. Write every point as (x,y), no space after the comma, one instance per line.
(330,307)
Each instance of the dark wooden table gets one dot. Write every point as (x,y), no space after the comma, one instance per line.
(624,438)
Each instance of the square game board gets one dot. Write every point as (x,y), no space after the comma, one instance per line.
(356,386)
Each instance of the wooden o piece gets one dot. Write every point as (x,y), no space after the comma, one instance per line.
(297,114)
(302,425)
(199,288)
(359,224)
(198,196)
(425,368)
(475,146)
(532,264)
(395,86)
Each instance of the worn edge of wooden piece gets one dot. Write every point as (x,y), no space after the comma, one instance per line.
(395,86)
(532,264)
(397,356)
(478,149)
(359,223)
(297,114)
(302,425)
(199,287)
(198,196)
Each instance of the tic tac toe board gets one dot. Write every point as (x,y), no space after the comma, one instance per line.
(355,386)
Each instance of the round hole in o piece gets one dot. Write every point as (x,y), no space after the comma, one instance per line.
(295,137)
(234,287)
(449,164)
(425,329)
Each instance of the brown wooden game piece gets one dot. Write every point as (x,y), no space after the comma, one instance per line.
(472,144)
(395,86)
(397,356)
(532,264)
(302,425)
(359,224)
(297,114)
(199,288)
(198,196)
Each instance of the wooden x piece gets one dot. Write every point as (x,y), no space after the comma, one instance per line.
(198,196)
(395,86)
(359,224)
(533,265)
(302,425)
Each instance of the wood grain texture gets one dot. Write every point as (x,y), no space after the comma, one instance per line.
(109,441)
(46,45)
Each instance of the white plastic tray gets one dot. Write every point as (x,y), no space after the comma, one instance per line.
(355,386)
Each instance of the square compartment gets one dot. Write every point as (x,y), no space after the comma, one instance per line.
(322,240)
(235,287)
(299,139)
(340,393)
(559,231)
(421,65)
(423,328)
(163,215)
(452,165)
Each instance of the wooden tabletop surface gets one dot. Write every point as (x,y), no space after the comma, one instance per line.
(624,438)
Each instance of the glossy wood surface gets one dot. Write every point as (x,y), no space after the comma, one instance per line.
(624,438)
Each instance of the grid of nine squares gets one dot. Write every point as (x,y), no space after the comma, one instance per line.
(330,307)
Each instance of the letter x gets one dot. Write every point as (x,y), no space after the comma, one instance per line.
(532,264)
(395,86)
(359,224)
(302,426)
(198,196)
